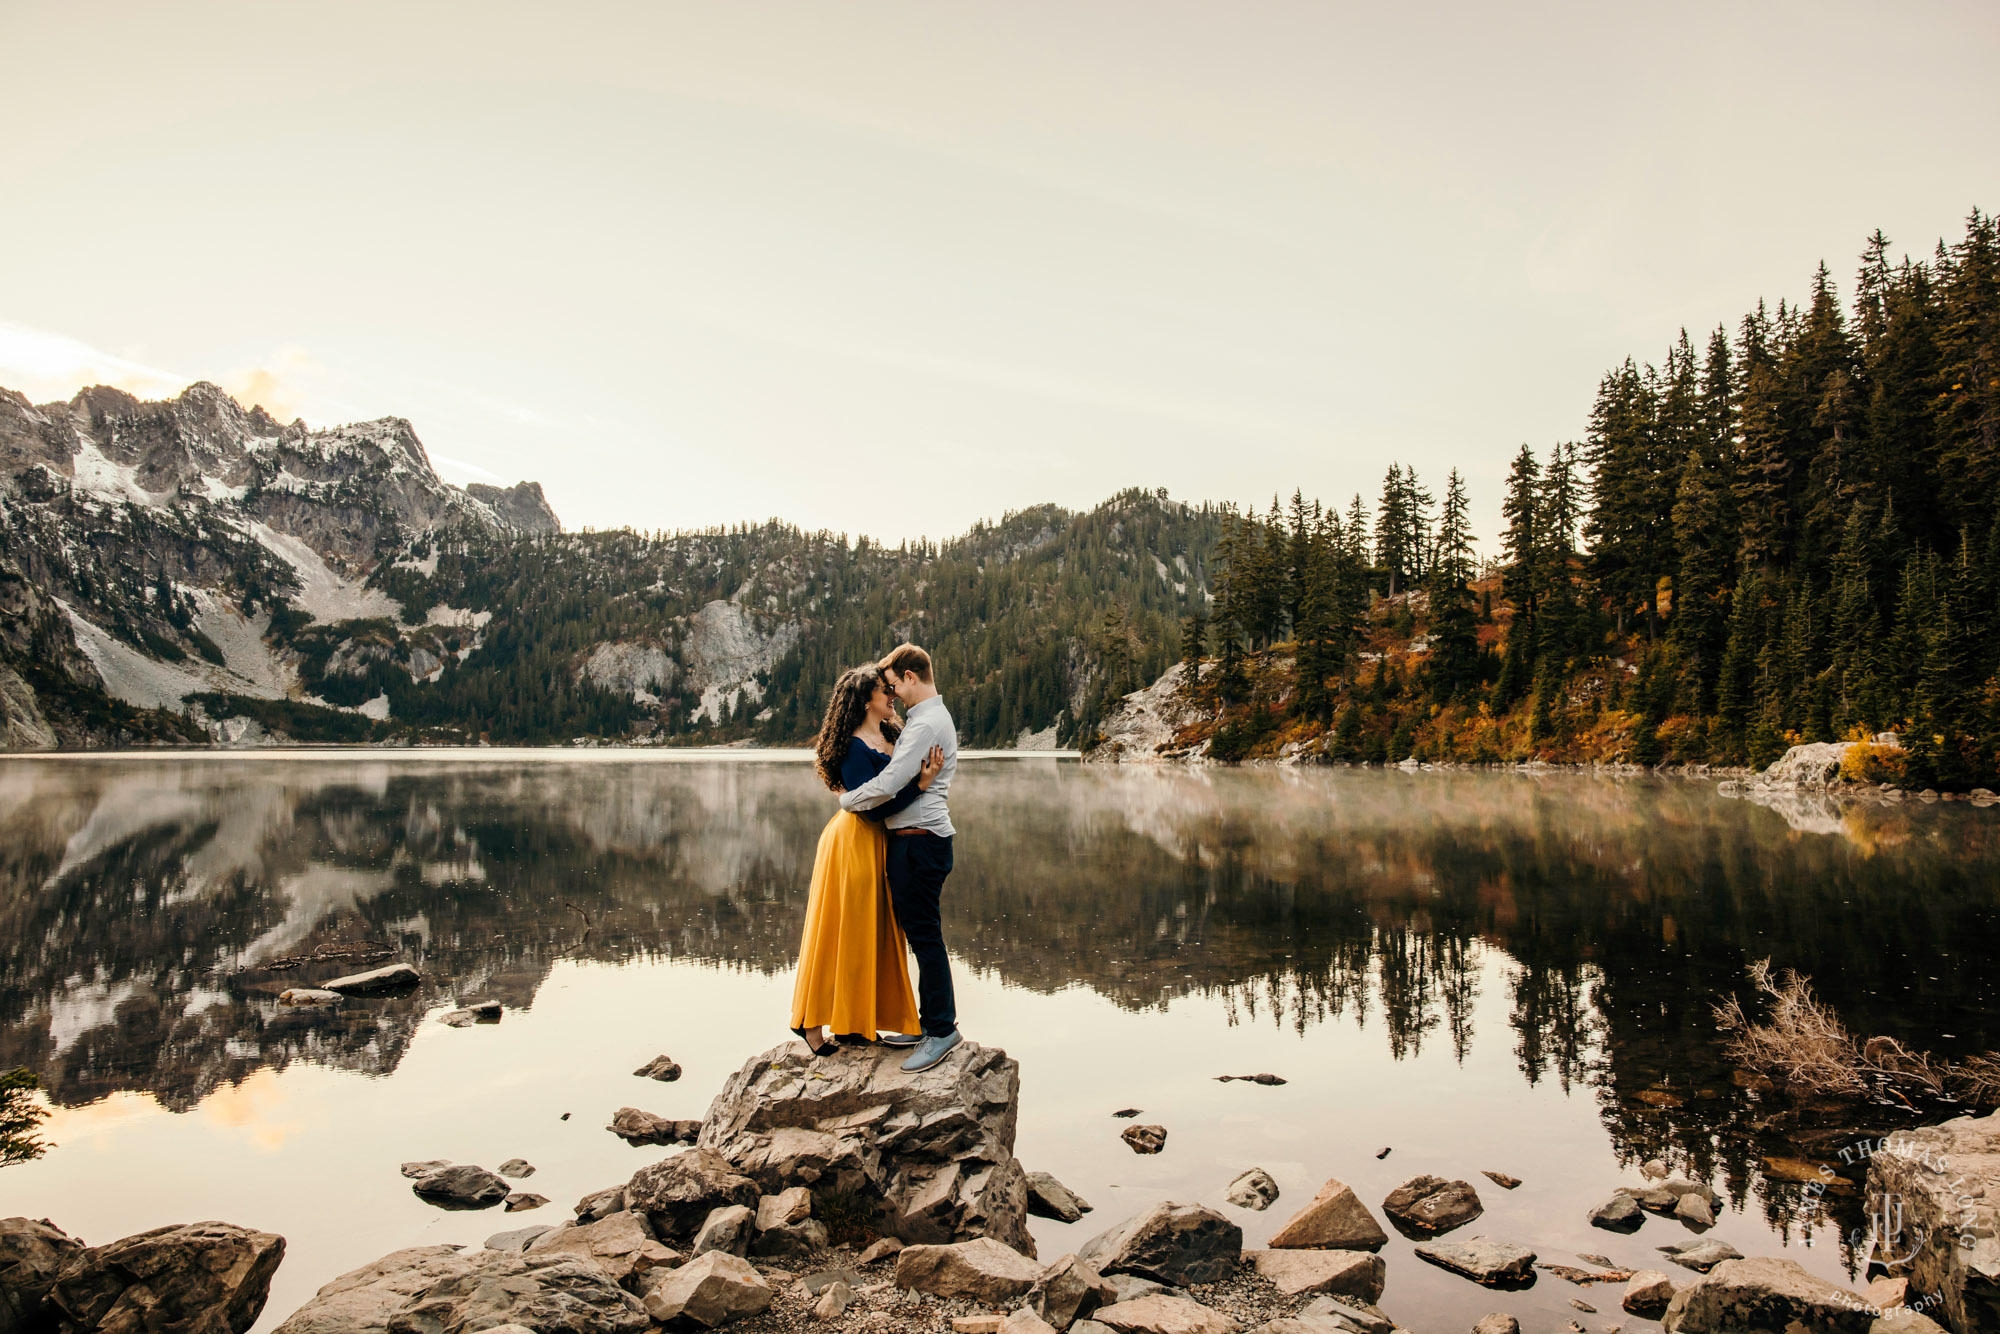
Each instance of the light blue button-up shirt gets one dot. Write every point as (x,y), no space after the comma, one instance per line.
(927,724)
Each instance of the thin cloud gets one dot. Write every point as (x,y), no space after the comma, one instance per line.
(48,366)
(460,465)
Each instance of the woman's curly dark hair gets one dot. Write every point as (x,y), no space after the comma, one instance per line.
(844,712)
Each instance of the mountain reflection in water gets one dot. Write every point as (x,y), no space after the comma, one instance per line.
(142,903)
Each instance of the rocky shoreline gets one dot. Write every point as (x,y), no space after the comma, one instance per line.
(844,1194)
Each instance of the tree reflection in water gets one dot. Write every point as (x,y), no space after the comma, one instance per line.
(143,904)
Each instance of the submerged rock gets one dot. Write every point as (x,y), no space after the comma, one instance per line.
(517,1168)
(525,1199)
(1173,1243)
(661,1068)
(1482,1260)
(517,1240)
(1049,1198)
(1701,1255)
(1497,1323)
(934,1148)
(1432,1204)
(1695,1211)
(638,1127)
(309,996)
(1648,1293)
(1335,1219)
(1255,1189)
(392,978)
(194,1276)
(1765,1294)
(1620,1213)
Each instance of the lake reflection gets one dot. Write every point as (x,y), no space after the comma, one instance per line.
(1521,966)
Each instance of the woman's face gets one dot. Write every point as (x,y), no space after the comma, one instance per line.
(881,708)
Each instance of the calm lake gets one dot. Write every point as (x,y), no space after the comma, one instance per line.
(1475,971)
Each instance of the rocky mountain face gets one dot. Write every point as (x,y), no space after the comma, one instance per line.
(153,553)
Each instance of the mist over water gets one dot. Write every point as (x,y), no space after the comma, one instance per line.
(1476,970)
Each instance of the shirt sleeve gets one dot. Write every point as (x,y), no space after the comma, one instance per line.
(859,769)
(902,768)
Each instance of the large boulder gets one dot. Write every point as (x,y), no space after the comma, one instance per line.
(362,1300)
(708,1291)
(934,1149)
(1431,1205)
(31,1253)
(201,1278)
(1766,1293)
(1172,1243)
(678,1194)
(1068,1289)
(555,1293)
(462,1186)
(1335,1219)
(1947,1179)
(981,1269)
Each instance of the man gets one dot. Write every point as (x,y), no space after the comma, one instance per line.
(919,842)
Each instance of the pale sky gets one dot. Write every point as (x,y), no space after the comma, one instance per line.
(689,264)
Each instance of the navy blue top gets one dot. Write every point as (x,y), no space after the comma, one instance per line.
(863,762)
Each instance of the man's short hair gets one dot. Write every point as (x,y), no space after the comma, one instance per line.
(908,660)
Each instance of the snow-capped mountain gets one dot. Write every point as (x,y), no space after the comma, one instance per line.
(170,535)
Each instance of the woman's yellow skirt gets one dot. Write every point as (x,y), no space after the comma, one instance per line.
(854,973)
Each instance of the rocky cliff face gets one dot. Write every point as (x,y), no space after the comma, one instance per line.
(167,549)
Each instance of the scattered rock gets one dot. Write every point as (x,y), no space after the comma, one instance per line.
(1067,1289)
(1336,1219)
(1583,1306)
(1347,1273)
(1648,1293)
(525,1199)
(1765,1294)
(710,1290)
(1145,1139)
(981,1269)
(1432,1205)
(833,1301)
(1695,1211)
(1502,1180)
(678,1194)
(792,1205)
(1601,1261)
(461,1187)
(1653,1170)
(1266,1080)
(1702,1255)
(1025,1321)
(1127,1112)
(820,1280)
(1581,1277)
(425,1168)
(517,1168)
(1497,1323)
(623,1244)
(517,1240)
(1350,1316)
(392,978)
(789,1241)
(1130,1287)
(309,996)
(1620,1213)
(637,1127)
(1653,1199)
(975,1324)
(1255,1189)
(600,1204)
(32,1252)
(934,1150)
(1886,1292)
(194,1276)
(1383,1154)
(880,1249)
(728,1228)
(1482,1260)
(1165,1315)
(1172,1243)
(1049,1198)
(660,1068)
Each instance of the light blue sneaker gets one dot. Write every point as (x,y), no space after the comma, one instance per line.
(930,1051)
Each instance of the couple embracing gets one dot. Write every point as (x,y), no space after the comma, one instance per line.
(881,867)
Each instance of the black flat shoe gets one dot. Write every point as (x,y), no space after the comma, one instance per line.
(827,1048)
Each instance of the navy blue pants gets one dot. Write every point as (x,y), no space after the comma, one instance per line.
(918,865)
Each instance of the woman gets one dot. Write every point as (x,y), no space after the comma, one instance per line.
(854,978)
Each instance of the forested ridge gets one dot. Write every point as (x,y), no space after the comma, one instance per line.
(1787,532)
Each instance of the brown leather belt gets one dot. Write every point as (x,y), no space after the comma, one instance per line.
(909,833)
